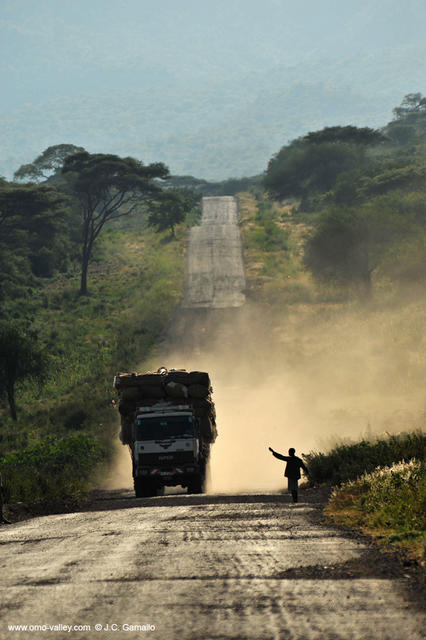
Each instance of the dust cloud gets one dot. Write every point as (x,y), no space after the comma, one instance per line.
(307,377)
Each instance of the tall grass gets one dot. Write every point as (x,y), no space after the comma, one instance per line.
(347,462)
(390,502)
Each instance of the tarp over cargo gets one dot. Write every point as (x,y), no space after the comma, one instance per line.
(176,386)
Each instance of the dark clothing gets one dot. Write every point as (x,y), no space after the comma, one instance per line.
(294,464)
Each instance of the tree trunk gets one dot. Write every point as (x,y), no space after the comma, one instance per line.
(83,279)
(84,267)
(12,405)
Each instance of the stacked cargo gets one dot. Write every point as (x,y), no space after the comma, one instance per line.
(165,388)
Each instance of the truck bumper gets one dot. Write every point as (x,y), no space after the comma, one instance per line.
(169,476)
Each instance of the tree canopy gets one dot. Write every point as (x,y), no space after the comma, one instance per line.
(345,135)
(411,104)
(32,233)
(47,164)
(313,163)
(350,244)
(105,188)
(170,209)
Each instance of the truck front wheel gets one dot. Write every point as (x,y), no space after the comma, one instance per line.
(144,488)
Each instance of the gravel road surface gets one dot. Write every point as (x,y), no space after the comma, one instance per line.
(199,567)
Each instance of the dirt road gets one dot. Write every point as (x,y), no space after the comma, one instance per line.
(220,566)
(215,272)
(199,567)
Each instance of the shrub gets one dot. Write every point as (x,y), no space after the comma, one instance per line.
(51,470)
(391,498)
(349,461)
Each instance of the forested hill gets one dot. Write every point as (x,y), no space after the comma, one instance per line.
(210,93)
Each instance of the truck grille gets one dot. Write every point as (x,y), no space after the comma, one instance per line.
(166,458)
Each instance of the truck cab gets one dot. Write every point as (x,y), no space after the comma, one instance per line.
(167,450)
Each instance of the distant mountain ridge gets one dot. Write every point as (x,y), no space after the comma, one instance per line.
(211,93)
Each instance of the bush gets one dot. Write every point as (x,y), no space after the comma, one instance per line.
(51,470)
(392,498)
(349,461)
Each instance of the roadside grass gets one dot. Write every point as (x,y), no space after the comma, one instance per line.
(51,470)
(273,248)
(347,462)
(389,504)
(135,283)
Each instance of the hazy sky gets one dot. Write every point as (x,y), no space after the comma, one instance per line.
(151,78)
(52,47)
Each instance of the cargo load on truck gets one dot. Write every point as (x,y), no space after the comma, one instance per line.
(168,420)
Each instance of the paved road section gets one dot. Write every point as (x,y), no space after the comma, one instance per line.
(215,271)
(250,567)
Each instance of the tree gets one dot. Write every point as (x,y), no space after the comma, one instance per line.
(313,163)
(170,209)
(348,245)
(47,164)
(411,104)
(107,187)
(20,359)
(347,135)
(32,233)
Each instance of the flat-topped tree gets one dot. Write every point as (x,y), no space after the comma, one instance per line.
(107,187)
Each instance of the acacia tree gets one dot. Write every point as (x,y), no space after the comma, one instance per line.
(107,187)
(48,163)
(20,359)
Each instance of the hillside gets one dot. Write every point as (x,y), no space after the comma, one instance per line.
(210,93)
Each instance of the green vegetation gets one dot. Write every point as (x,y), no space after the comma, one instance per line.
(106,188)
(137,279)
(347,462)
(59,350)
(362,194)
(51,470)
(20,359)
(170,209)
(379,487)
(389,503)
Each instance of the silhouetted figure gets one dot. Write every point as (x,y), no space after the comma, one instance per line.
(2,518)
(292,470)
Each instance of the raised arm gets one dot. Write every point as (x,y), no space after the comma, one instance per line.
(278,455)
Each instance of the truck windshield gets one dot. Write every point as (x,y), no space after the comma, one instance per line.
(162,427)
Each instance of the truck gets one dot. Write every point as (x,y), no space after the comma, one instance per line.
(168,421)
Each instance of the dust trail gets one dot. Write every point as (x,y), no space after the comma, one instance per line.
(119,473)
(304,378)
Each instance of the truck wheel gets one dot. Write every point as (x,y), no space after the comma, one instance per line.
(144,488)
(196,485)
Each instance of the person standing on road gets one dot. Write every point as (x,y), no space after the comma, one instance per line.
(292,470)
